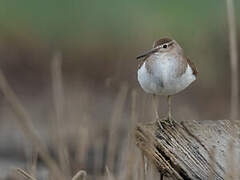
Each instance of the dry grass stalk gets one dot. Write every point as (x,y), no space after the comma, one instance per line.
(153,173)
(99,154)
(26,125)
(83,144)
(231,173)
(233,60)
(212,163)
(81,175)
(131,145)
(59,105)
(33,164)
(109,174)
(25,174)
(114,124)
(138,173)
(133,112)
(144,167)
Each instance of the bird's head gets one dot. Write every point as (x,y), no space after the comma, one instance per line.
(163,45)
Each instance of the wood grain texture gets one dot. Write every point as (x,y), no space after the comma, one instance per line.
(183,151)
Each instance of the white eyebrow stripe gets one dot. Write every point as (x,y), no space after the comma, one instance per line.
(160,46)
(169,42)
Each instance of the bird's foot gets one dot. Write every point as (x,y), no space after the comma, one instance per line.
(161,121)
(170,121)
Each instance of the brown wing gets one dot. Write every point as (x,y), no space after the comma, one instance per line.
(194,69)
(140,63)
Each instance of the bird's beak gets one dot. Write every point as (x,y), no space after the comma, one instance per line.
(151,51)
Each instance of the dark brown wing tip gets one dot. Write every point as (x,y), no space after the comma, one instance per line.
(161,41)
(194,68)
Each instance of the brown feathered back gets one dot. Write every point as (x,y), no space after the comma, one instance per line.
(194,69)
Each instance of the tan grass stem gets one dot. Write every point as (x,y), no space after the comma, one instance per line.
(33,163)
(109,174)
(233,60)
(59,105)
(231,172)
(81,175)
(25,174)
(212,163)
(114,124)
(131,145)
(25,123)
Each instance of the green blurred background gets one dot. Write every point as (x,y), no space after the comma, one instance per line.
(99,42)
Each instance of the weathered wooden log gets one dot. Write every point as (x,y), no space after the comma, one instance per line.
(184,150)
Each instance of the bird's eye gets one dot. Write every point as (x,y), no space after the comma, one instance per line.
(165,46)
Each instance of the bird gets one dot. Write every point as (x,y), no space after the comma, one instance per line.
(165,70)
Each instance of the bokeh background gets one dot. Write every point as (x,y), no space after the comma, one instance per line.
(98,42)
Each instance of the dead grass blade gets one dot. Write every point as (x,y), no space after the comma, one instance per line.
(131,145)
(144,167)
(81,175)
(231,172)
(233,60)
(212,163)
(114,124)
(33,164)
(25,123)
(24,174)
(109,174)
(59,105)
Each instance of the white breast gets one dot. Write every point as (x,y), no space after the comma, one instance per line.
(163,79)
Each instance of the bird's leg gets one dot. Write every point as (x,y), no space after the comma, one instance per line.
(170,119)
(155,106)
(169,109)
